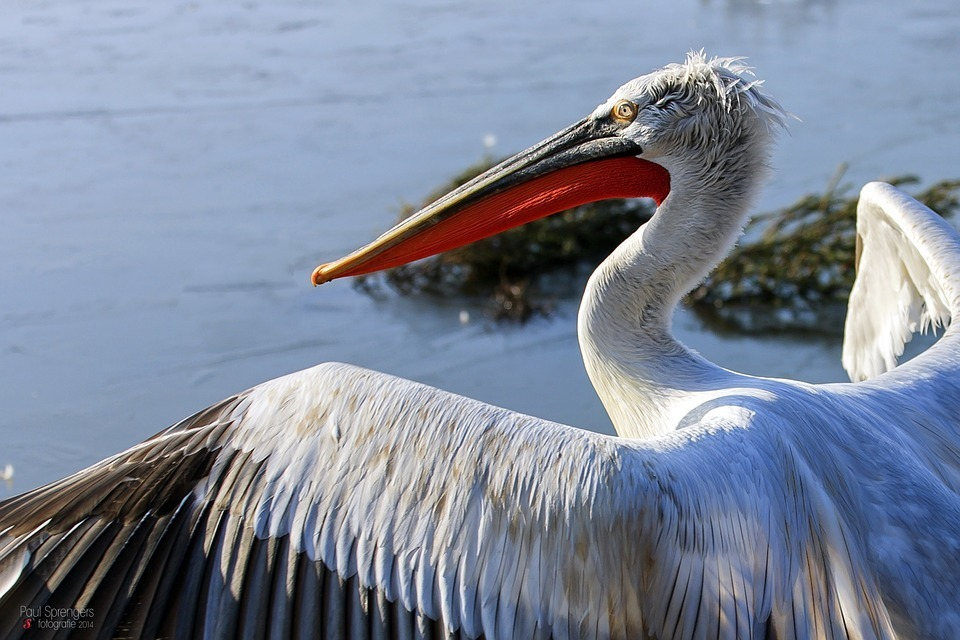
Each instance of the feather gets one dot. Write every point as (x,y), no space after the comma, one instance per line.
(905,282)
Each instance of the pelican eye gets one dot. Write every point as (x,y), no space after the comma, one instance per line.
(624,111)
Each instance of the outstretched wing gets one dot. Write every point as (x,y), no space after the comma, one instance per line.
(339,502)
(908,279)
(335,502)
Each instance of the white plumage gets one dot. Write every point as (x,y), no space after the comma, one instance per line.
(907,280)
(340,502)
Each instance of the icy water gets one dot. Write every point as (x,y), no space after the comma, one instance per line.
(170,173)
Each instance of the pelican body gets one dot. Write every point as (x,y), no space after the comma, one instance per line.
(338,502)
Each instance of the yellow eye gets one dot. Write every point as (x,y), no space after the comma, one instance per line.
(624,111)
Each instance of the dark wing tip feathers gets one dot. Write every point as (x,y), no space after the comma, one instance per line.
(127,516)
(179,567)
(154,476)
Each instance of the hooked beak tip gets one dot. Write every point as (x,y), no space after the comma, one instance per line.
(319,276)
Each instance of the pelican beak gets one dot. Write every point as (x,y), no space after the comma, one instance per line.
(586,162)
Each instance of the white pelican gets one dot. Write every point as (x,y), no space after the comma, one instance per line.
(338,502)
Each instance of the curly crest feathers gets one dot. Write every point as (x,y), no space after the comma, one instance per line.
(733,82)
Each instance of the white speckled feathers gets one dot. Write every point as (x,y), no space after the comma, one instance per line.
(370,506)
(464,512)
(506,525)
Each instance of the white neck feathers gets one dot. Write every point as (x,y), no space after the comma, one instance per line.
(646,379)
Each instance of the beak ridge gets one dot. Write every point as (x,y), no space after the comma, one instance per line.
(586,162)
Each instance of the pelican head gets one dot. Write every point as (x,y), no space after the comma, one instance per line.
(698,124)
(704,120)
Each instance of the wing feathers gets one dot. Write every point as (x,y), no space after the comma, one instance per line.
(907,279)
(523,529)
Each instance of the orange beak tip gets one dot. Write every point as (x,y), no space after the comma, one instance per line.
(318,276)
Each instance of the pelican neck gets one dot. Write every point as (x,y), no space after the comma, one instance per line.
(645,377)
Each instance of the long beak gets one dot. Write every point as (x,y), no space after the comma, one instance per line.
(584,163)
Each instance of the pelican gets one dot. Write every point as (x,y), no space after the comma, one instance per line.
(339,502)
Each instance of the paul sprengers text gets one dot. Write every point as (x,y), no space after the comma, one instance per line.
(49,617)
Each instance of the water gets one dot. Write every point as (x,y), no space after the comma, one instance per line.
(170,173)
